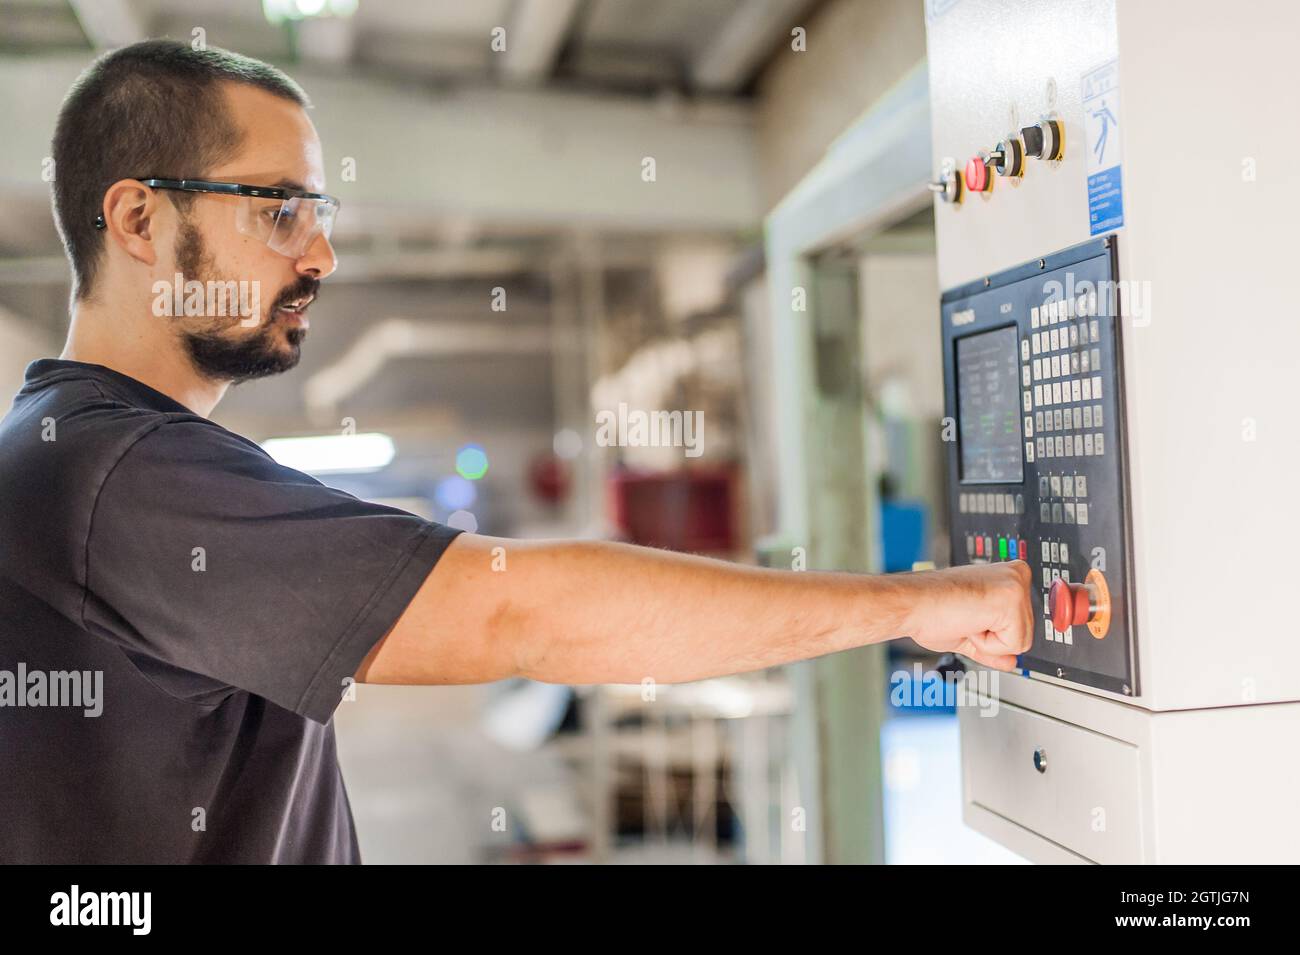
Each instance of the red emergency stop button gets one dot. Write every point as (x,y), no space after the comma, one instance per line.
(1072,605)
(978,177)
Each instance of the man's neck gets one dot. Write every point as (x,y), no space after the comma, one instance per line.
(160,364)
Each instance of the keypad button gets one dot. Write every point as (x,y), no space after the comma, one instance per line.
(1055,552)
(1065,552)
(1099,445)
(1081,512)
(1087,445)
(1096,388)
(1060,450)
(1080,486)
(1094,330)
(1096,416)
(1083,362)
(1087,416)
(1024,375)
(1069,512)
(1043,486)
(1096,359)
(1033,317)
(1038,443)
(1047,552)
(1067,486)
(1045,513)
(1038,369)
(1056,514)
(1029,426)
(1074,336)
(1056,485)
(1020,504)
(1024,348)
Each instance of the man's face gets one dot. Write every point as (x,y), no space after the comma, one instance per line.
(264,335)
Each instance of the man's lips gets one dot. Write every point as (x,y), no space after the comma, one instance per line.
(295,314)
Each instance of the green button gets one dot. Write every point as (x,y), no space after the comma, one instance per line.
(1002,548)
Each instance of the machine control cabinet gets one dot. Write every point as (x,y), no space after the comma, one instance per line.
(1034,429)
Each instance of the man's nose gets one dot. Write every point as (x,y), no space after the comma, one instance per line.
(319,260)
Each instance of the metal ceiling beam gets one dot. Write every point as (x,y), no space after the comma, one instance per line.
(534,38)
(108,23)
(727,62)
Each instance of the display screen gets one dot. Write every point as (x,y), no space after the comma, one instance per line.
(988,408)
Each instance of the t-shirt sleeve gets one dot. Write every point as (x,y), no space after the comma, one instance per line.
(205,554)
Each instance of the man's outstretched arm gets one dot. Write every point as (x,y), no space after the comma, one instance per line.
(599,612)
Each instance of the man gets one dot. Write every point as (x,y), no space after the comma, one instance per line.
(214,606)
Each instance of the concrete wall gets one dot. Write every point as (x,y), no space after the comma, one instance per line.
(856,50)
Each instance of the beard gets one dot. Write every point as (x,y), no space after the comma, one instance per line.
(213,349)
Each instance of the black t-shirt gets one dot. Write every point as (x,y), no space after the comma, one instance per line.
(220,601)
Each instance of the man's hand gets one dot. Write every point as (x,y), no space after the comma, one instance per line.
(981,611)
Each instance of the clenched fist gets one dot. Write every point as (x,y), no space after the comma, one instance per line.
(981,611)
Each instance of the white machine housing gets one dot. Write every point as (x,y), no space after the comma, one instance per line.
(1198,765)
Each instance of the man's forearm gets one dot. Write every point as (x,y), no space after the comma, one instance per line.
(599,612)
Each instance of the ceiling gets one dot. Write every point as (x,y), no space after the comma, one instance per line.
(628,46)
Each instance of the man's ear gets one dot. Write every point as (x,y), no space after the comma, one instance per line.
(129,212)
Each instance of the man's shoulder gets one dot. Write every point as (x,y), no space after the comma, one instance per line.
(65,441)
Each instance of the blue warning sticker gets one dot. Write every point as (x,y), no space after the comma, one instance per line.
(1101,131)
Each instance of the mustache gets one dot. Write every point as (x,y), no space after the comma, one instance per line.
(305,287)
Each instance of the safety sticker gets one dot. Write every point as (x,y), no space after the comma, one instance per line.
(1101,119)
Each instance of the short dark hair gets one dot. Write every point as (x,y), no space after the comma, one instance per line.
(155,108)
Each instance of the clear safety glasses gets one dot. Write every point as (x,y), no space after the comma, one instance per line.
(287,220)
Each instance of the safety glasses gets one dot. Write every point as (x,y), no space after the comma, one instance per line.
(287,220)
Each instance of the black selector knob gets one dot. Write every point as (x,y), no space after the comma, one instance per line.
(1045,140)
(1009,157)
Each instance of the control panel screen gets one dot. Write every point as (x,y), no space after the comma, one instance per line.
(988,407)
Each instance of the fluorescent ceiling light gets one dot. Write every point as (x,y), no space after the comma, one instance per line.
(332,453)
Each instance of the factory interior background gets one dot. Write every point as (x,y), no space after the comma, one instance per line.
(540,240)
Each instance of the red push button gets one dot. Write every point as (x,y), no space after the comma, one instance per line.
(979,546)
(1022,550)
(978,178)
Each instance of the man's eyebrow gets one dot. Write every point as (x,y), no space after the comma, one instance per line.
(291,184)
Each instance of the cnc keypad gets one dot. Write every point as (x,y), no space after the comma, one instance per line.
(1036,464)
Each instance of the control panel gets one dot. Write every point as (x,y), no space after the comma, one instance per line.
(1036,457)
